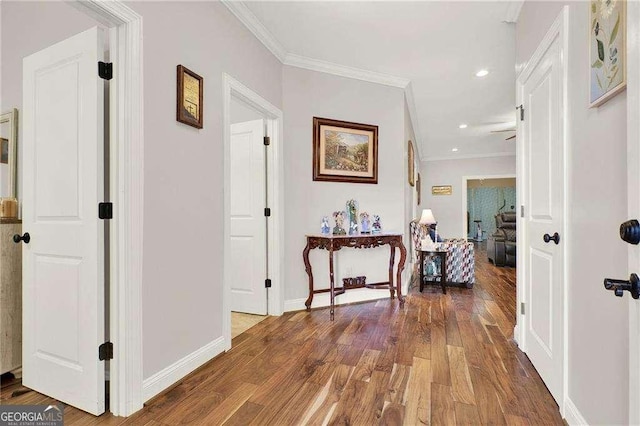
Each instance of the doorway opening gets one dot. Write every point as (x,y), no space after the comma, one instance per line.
(253,209)
(483,197)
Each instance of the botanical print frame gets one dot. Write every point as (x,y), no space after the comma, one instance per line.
(344,151)
(411,164)
(607,50)
(189,101)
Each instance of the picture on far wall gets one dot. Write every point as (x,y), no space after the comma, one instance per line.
(607,50)
(411,164)
(189,98)
(344,151)
(419,187)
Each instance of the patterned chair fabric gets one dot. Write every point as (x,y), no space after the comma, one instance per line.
(460,255)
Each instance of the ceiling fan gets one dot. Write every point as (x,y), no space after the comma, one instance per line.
(506,130)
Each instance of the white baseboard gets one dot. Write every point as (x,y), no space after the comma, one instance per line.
(175,372)
(571,414)
(321,300)
(516,334)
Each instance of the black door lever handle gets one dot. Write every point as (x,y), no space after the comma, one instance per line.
(619,286)
(26,238)
(555,238)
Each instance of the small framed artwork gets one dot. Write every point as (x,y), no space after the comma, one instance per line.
(189,98)
(441,190)
(344,151)
(4,151)
(418,188)
(411,165)
(607,50)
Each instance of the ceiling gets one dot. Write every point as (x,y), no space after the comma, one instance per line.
(437,46)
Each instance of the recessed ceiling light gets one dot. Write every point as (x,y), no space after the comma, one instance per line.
(455,150)
(482,73)
(462,126)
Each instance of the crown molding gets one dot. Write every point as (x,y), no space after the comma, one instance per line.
(345,71)
(253,24)
(513,11)
(469,156)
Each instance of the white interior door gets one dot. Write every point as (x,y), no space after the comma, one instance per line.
(542,130)
(248,223)
(63,264)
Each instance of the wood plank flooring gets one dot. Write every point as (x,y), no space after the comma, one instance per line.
(442,359)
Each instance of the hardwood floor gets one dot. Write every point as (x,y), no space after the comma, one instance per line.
(241,322)
(442,359)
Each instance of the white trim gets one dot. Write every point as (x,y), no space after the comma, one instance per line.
(514,7)
(166,377)
(232,88)
(345,71)
(322,300)
(559,30)
(415,122)
(572,415)
(463,190)
(470,156)
(253,24)
(633,183)
(127,184)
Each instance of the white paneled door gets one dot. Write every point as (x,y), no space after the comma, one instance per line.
(248,223)
(63,267)
(543,142)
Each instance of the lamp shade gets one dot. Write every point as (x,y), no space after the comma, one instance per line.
(427,217)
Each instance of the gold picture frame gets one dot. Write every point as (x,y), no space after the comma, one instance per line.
(419,188)
(441,190)
(189,97)
(411,164)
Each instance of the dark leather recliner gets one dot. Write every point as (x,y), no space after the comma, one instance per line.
(501,245)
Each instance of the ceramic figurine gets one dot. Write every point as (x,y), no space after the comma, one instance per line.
(338,217)
(353,228)
(365,223)
(325,228)
(352,215)
(377,226)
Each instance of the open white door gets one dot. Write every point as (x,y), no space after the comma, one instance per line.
(248,223)
(542,142)
(63,263)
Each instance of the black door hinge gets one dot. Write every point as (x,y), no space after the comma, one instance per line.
(105,211)
(267,283)
(267,140)
(521,108)
(105,70)
(105,351)
(267,211)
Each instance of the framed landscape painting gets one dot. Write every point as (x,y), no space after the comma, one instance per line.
(344,151)
(607,51)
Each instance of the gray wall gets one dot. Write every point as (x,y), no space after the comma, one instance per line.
(183,244)
(598,331)
(308,94)
(448,209)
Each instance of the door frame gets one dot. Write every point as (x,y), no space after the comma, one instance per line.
(633,183)
(559,30)
(127,185)
(233,89)
(464,187)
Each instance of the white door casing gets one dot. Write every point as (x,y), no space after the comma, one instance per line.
(248,222)
(542,193)
(63,265)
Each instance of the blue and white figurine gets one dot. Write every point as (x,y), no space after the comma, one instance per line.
(325,228)
(376,228)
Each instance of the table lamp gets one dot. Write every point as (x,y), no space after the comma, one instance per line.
(427,218)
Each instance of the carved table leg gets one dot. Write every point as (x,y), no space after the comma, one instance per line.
(392,261)
(331,282)
(403,257)
(307,268)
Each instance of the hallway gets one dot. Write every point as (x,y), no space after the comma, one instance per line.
(444,359)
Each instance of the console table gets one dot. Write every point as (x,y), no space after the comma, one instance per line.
(333,243)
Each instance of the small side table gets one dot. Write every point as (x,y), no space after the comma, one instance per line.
(442,254)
